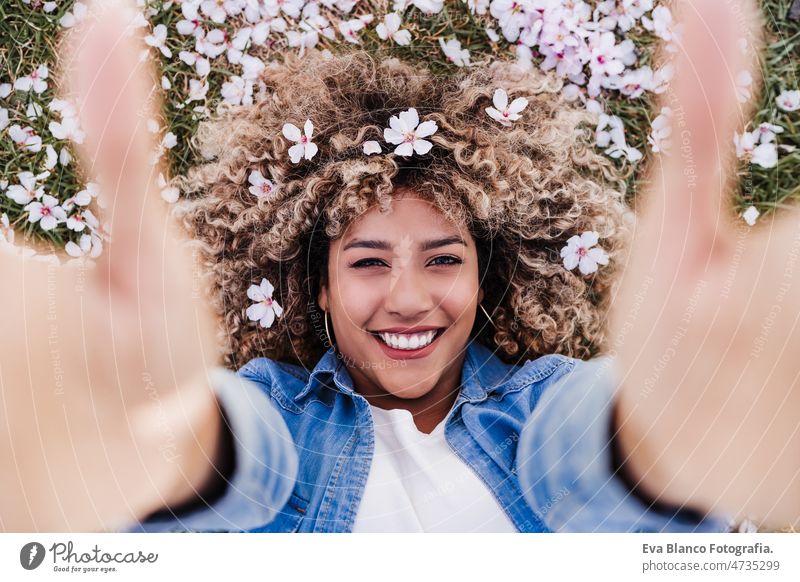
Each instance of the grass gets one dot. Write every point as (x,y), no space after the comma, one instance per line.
(28,37)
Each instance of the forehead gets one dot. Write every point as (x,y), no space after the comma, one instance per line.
(409,218)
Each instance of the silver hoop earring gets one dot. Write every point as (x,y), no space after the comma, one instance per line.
(487,315)
(328,333)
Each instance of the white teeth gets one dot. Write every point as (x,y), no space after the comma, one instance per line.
(408,341)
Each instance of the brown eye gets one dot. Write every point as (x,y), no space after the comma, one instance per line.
(453,260)
(363,263)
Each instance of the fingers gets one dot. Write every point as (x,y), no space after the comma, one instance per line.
(116,96)
(690,198)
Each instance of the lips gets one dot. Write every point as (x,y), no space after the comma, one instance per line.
(398,354)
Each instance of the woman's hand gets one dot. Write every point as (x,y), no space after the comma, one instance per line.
(705,323)
(107,414)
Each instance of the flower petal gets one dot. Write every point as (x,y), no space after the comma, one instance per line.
(392,136)
(291,132)
(422,146)
(404,149)
(410,118)
(518,105)
(296,152)
(311,150)
(256,311)
(255,293)
(500,99)
(266,288)
(268,318)
(426,128)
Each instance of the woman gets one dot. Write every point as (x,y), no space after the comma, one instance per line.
(532,436)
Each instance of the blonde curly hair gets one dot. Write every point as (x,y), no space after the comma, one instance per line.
(522,191)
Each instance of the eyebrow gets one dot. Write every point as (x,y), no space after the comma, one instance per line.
(386,246)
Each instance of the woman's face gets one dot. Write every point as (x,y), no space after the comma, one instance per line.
(407,269)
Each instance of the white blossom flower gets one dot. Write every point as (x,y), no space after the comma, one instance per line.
(406,132)
(758,146)
(35,81)
(765,155)
(304,147)
(190,24)
(428,7)
(660,131)
(502,111)
(168,193)
(51,157)
(744,80)
(390,29)
(454,53)
(578,252)
(28,188)
(350,28)
(25,137)
(197,90)
(6,230)
(5,90)
(371,147)
(89,245)
(80,219)
(158,40)
(201,64)
(306,37)
(266,309)
(252,67)
(259,185)
(68,128)
(788,100)
(3,118)
(610,134)
(47,213)
(478,6)
(73,17)
(237,91)
(750,215)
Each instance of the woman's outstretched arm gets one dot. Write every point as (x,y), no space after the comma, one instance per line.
(109,412)
(705,321)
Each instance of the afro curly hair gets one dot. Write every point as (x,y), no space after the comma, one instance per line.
(521,191)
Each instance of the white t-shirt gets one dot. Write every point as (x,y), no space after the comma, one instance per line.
(417,483)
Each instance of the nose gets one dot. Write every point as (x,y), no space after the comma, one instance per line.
(408,295)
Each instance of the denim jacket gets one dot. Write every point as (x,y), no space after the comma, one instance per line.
(537,434)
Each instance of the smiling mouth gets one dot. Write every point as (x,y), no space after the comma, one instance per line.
(435,337)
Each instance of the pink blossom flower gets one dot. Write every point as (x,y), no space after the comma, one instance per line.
(266,309)
(304,147)
(406,132)
(502,111)
(35,81)
(578,252)
(259,185)
(47,213)
(788,100)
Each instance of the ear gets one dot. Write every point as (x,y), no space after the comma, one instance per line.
(322,298)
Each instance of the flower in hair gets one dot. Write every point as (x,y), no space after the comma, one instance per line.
(502,111)
(406,132)
(371,147)
(304,146)
(266,309)
(259,185)
(579,253)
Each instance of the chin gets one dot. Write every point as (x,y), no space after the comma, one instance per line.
(402,391)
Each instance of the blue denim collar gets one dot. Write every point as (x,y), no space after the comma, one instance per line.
(482,374)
